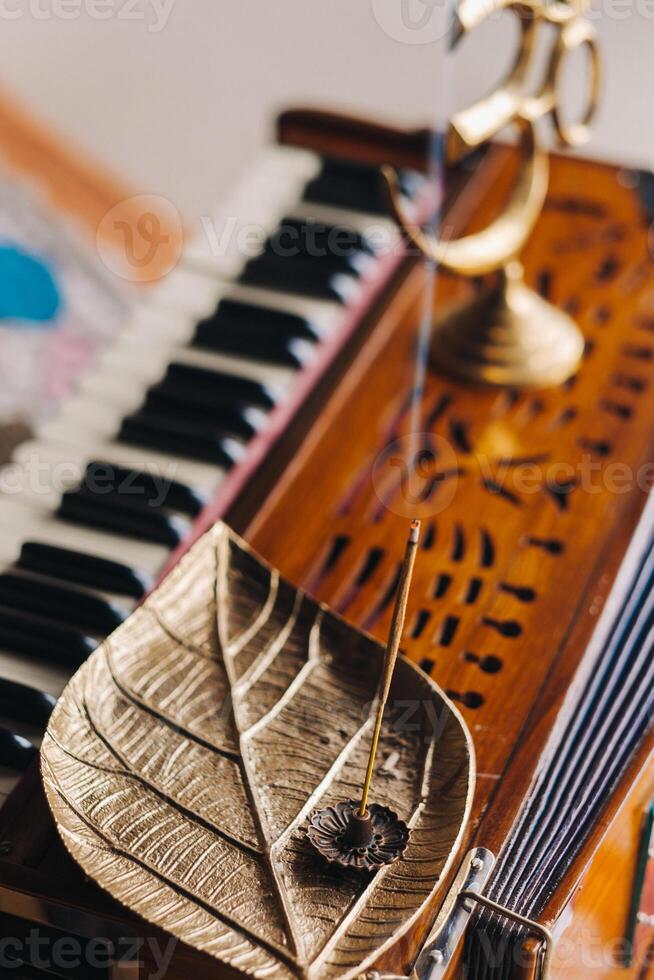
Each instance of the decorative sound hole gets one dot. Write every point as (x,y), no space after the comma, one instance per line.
(534,408)
(551,545)
(608,269)
(429,536)
(469,699)
(487,549)
(447,631)
(367,569)
(522,592)
(380,607)
(439,409)
(421,620)
(459,433)
(489,664)
(441,585)
(459,544)
(568,415)
(559,491)
(638,353)
(473,590)
(619,409)
(500,490)
(508,628)
(630,383)
(337,547)
(599,447)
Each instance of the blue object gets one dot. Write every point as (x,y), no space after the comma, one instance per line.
(28,291)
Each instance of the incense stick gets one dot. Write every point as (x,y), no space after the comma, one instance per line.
(392,647)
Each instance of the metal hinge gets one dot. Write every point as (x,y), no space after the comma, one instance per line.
(443,941)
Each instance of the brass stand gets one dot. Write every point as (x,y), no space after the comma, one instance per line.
(509,335)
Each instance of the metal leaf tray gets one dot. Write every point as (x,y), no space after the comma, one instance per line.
(185,757)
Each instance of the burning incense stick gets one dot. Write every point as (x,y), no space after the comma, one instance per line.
(365,837)
(392,647)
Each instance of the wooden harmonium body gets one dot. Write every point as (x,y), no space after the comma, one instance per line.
(531,603)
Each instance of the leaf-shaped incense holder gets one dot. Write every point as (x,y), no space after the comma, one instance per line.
(184,760)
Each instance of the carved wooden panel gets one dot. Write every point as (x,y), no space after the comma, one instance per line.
(518,490)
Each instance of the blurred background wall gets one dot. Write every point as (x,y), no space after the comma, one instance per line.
(176,95)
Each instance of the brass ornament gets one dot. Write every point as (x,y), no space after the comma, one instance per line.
(330,833)
(509,335)
(185,758)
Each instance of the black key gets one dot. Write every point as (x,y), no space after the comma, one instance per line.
(113,512)
(43,639)
(305,277)
(334,247)
(249,315)
(252,342)
(148,487)
(16,752)
(356,186)
(179,438)
(250,331)
(22,703)
(74,566)
(231,387)
(201,408)
(68,606)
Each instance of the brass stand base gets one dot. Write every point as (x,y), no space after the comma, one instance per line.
(507,336)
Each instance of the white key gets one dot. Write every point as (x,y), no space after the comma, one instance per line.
(382,232)
(177,324)
(326,315)
(289,163)
(136,357)
(101,420)
(71,444)
(167,326)
(226,239)
(48,677)
(188,291)
(24,520)
(133,354)
(94,420)
(46,496)
(10,551)
(93,427)
(237,230)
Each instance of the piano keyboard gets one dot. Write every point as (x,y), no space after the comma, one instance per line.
(164,432)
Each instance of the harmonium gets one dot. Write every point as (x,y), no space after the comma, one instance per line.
(326,608)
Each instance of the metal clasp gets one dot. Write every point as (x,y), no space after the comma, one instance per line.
(443,941)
